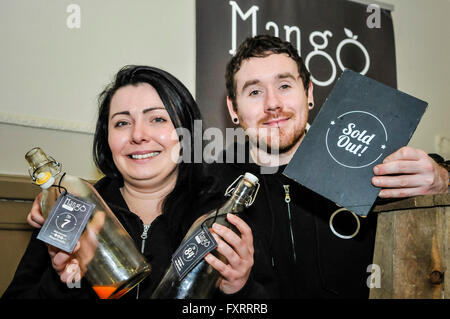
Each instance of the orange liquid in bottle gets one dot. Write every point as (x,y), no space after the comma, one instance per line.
(104,292)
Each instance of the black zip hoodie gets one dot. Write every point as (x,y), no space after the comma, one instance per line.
(35,277)
(296,253)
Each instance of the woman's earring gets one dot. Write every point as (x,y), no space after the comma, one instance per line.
(310,105)
(235,120)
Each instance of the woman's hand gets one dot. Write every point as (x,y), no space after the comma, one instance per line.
(35,218)
(65,264)
(72,267)
(238,250)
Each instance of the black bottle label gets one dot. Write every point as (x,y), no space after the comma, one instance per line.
(192,250)
(66,222)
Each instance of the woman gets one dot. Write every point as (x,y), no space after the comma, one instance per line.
(155,196)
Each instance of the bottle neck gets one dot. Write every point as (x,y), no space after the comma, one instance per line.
(243,192)
(47,175)
(240,197)
(51,167)
(41,166)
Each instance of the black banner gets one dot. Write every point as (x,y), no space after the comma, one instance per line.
(330,35)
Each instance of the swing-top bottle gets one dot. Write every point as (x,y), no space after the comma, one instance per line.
(201,281)
(107,256)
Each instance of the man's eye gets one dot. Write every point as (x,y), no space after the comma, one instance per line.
(254,92)
(285,86)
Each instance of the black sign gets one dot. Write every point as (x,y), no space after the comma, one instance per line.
(330,35)
(192,250)
(361,122)
(66,222)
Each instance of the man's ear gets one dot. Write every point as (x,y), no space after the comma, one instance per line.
(231,109)
(310,93)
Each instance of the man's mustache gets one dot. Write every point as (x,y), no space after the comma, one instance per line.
(275,117)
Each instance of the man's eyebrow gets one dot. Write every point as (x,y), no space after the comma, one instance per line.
(286,75)
(144,111)
(249,83)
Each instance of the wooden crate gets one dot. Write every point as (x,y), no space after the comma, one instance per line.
(16,196)
(412,248)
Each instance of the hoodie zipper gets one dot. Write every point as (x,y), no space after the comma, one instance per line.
(143,237)
(287,199)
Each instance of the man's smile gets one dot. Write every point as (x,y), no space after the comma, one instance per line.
(276,122)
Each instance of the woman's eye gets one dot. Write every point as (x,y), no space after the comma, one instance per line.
(158,120)
(120,124)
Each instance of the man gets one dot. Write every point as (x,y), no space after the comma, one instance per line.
(296,253)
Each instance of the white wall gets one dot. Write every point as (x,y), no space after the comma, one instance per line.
(51,74)
(422,36)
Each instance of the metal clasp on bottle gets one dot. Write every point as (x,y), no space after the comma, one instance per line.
(33,172)
(250,199)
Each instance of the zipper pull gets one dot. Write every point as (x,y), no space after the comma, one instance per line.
(287,197)
(144,237)
(144,233)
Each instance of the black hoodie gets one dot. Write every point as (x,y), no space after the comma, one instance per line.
(35,277)
(296,253)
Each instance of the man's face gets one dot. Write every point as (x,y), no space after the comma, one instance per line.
(271,99)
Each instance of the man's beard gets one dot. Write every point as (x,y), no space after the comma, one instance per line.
(265,142)
(275,140)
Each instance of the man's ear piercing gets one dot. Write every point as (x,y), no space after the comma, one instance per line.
(311,105)
(235,120)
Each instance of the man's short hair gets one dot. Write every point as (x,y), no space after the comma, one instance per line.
(261,46)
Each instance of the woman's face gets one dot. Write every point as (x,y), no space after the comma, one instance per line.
(141,135)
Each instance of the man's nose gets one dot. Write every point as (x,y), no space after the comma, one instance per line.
(273,101)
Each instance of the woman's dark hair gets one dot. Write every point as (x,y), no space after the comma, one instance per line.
(261,46)
(183,111)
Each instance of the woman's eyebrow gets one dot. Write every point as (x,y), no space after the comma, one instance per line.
(120,113)
(153,108)
(144,111)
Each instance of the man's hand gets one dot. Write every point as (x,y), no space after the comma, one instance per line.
(409,172)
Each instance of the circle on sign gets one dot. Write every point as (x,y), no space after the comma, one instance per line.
(66,222)
(356,139)
(189,252)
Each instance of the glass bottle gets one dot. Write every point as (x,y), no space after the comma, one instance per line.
(202,280)
(107,255)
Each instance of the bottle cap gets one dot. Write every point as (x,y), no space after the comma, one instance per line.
(251,178)
(45,180)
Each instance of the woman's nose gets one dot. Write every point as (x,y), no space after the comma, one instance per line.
(140,134)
